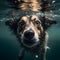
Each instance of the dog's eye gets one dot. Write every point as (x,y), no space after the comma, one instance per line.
(37,22)
(21,23)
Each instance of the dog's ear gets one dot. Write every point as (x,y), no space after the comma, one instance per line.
(12,23)
(47,22)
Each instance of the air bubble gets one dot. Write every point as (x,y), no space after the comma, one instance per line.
(53,2)
(36,56)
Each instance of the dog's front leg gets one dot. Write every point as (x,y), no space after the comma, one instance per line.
(43,54)
(44,47)
(21,54)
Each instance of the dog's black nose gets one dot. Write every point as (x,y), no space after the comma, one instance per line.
(29,34)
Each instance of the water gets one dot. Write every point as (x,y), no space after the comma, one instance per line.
(9,46)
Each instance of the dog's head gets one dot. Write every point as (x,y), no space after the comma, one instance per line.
(30,28)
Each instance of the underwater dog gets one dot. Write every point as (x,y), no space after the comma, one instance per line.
(30,28)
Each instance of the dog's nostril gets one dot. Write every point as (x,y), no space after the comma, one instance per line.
(29,34)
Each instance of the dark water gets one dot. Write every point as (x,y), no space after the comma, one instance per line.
(9,46)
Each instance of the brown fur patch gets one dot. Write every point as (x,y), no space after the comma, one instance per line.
(32,5)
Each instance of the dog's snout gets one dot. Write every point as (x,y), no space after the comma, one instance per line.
(29,34)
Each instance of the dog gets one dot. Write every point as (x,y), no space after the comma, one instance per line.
(31,27)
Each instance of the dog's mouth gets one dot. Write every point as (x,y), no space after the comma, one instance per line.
(30,38)
(30,42)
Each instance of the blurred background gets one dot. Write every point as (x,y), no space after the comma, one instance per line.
(10,47)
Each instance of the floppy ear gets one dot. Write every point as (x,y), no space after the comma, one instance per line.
(12,23)
(47,22)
